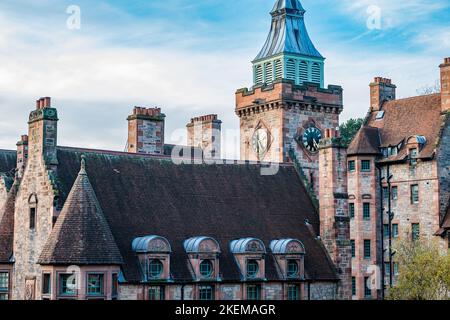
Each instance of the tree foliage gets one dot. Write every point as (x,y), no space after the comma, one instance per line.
(424,272)
(430,89)
(349,129)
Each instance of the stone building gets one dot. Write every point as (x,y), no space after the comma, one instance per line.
(398,179)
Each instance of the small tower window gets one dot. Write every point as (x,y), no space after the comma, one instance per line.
(315,73)
(278,69)
(252,269)
(290,69)
(258,75)
(303,71)
(155,269)
(268,72)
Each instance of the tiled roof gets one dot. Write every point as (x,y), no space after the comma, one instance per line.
(144,195)
(402,119)
(7,225)
(366,141)
(81,235)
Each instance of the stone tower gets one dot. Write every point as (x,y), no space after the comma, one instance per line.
(146,131)
(284,115)
(334,214)
(205,132)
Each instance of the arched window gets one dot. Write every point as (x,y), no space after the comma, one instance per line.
(258,75)
(292,269)
(278,69)
(206,268)
(155,269)
(290,69)
(268,72)
(32,203)
(252,269)
(315,73)
(303,72)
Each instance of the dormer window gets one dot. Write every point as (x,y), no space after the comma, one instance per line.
(249,254)
(203,255)
(153,253)
(289,256)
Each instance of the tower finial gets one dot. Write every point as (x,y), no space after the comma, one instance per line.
(83,165)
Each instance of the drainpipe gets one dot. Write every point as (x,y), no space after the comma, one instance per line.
(383,271)
(391,217)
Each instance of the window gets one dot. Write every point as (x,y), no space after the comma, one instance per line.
(155,269)
(156,293)
(351,209)
(293,292)
(386,230)
(385,193)
(290,69)
(46,283)
(415,194)
(95,285)
(206,293)
(253,292)
(67,284)
(367,253)
(315,73)
(366,211)
(352,242)
(394,230)
(387,269)
(206,269)
(353,286)
(252,269)
(4,285)
(351,166)
(115,285)
(413,156)
(396,268)
(365,165)
(278,69)
(303,72)
(268,72)
(32,218)
(258,75)
(367,290)
(394,193)
(415,231)
(293,269)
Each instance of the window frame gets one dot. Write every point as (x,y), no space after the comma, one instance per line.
(367,290)
(162,293)
(367,249)
(60,283)
(351,166)
(252,274)
(101,286)
(354,287)
(114,285)
(364,168)
(46,275)
(366,213)
(4,291)
(415,234)
(395,230)
(208,289)
(394,194)
(211,270)
(289,274)
(157,262)
(415,194)
(353,248)
(351,210)
(293,292)
(257,292)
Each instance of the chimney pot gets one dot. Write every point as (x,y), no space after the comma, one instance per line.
(47,102)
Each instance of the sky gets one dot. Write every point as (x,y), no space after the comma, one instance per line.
(190,56)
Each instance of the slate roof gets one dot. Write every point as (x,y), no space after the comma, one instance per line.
(144,195)
(7,225)
(288,33)
(81,235)
(8,161)
(402,119)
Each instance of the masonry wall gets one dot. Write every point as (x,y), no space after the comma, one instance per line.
(443,164)
(323,291)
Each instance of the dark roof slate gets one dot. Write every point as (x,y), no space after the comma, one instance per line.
(81,235)
(143,195)
(8,161)
(7,225)
(366,141)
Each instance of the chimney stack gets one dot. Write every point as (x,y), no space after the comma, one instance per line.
(445,85)
(205,132)
(381,90)
(22,154)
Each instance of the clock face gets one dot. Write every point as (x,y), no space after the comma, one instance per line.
(311,138)
(260,141)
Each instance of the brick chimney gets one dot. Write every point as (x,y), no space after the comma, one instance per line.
(146,131)
(22,155)
(445,85)
(333,209)
(42,132)
(205,132)
(381,90)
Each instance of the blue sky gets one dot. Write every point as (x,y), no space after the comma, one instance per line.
(189,57)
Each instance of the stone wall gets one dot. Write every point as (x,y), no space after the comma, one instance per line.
(443,158)
(323,291)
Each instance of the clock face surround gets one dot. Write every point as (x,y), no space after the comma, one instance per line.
(311,139)
(260,141)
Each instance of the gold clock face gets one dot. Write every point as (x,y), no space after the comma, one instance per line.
(260,141)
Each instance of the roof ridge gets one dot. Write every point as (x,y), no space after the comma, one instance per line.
(414,97)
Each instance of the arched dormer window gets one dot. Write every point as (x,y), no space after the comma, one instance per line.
(250,254)
(32,204)
(153,253)
(289,256)
(203,254)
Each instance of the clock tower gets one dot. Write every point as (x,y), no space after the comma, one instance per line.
(284,115)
